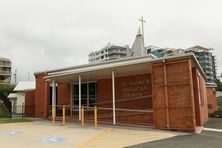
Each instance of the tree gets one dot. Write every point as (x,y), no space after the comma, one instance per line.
(5,90)
(219,85)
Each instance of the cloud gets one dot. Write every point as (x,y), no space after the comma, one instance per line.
(47,34)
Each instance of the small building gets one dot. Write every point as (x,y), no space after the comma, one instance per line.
(13,99)
(211,99)
(166,93)
(23,100)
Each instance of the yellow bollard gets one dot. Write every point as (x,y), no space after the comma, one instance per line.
(82,116)
(95,116)
(63,115)
(53,115)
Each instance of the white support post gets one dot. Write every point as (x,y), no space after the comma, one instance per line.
(71,98)
(54,95)
(80,98)
(113,92)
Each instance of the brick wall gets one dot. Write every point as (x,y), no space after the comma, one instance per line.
(42,97)
(173,95)
(212,101)
(203,106)
(30,103)
(171,92)
(200,98)
(132,92)
(63,97)
(42,94)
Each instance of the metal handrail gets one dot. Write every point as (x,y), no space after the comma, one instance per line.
(136,110)
(102,103)
(130,110)
(122,100)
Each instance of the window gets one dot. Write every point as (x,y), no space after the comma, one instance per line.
(209,106)
(92,94)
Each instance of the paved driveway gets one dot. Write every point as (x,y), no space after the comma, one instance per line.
(214,123)
(206,139)
(41,134)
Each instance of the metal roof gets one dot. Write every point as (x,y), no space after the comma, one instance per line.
(96,64)
(12,95)
(116,64)
(25,86)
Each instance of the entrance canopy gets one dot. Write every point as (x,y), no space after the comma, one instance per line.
(95,71)
(92,72)
(101,74)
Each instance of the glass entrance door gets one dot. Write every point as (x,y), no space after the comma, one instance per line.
(88,94)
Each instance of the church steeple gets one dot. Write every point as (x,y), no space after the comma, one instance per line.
(139,33)
(138,45)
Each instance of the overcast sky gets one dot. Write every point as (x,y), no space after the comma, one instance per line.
(40,35)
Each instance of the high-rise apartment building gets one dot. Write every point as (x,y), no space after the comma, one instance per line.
(5,70)
(109,52)
(206,60)
(204,56)
(163,52)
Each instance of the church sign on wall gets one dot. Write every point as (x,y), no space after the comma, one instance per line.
(135,88)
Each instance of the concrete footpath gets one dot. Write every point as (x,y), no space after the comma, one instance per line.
(42,134)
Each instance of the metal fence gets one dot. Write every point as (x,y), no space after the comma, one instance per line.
(23,111)
(135,111)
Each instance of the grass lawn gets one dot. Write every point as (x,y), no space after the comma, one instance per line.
(11,120)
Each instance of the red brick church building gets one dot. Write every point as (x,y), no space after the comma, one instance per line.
(166,93)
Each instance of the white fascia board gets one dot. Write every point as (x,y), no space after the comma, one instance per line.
(97,67)
(110,65)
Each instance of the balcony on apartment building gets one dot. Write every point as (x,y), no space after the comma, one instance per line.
(5,72)
(116,56)
(208,67)
(5,81)
(5,64)
(209,72)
